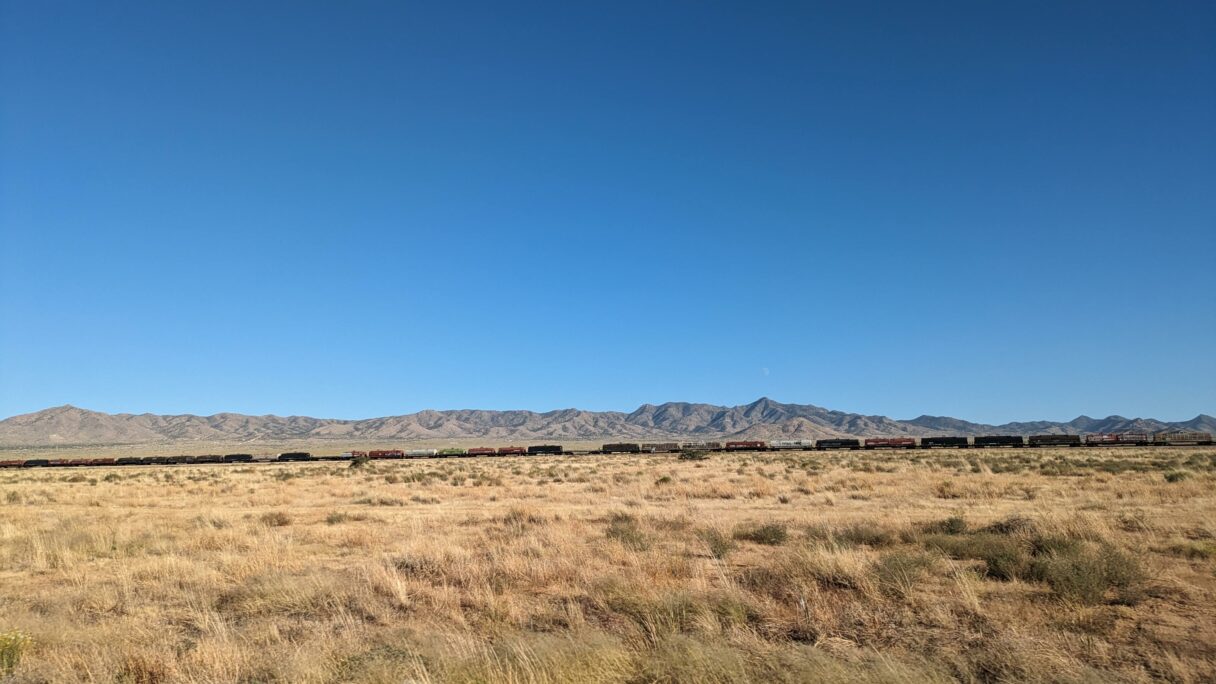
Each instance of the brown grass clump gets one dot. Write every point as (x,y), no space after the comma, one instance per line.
(1042,566)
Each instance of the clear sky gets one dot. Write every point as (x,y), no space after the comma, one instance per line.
(988,210)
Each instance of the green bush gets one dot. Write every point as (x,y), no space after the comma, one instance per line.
(276,519)
(1005,558)
(868,534)
(693,455)
(1014,524)
(719,544)
(898,573)
(624,528)
(955,524)
(1177,476)
(1088,574)
(769,534)
(13,645)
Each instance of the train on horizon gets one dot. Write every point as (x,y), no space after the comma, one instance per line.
(1120,439)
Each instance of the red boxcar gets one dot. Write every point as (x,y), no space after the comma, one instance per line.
(11,464)
(746,446)
(891,443)
(101,461)
(386,453)
(481,451)
(512,451)
(358,454)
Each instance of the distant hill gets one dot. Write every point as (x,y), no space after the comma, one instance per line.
(761,419)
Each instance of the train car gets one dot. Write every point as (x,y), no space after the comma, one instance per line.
(701,446)
(550,449)
(128,461)
(837,444)
(451,452)
(999,441)
(890,443)
(421,453)
(15,463)
(481,451)
(36,462)
(1055,440)
(295,456)
(209,458)
(791,444)
(1117,439)
(238,458)
(156,460)
(179,460)
(386,453)
(621,448)
(660,447)
(1182,438)
(512,451)
(747,445)
(944,442)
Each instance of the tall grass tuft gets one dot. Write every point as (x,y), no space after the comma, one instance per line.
(769,534)
(13,645)
(624,528)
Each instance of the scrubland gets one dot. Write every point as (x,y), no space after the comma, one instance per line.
(1027,565)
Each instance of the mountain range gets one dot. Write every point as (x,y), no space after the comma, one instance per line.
(761,419)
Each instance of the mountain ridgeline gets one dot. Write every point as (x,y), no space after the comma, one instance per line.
(762,419)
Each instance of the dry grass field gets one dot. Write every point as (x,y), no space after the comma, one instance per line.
(1085,566)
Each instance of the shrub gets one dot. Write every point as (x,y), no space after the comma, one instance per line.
(719,544)
(868,534)
(947,490)
(13,645)
(1086,575)
(1045,545)
(769,534)
(1177,476)
(1193,550)
(624,528)
(666,479)
(693,455)
(1004,558)
(898,573)
(276,519)
(359,461)
(520,519)
(1014,524)
(955,524)
(139,669)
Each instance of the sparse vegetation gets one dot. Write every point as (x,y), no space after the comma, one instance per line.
(769,534)
(13,645)
(550,569)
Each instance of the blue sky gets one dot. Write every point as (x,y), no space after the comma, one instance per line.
(995,211)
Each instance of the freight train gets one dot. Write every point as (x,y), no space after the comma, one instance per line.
(1129,439)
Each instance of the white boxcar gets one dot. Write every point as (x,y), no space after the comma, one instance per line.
(791,444)
(1182,438)
(421,453)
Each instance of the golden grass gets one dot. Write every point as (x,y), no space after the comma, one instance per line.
(618,569)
